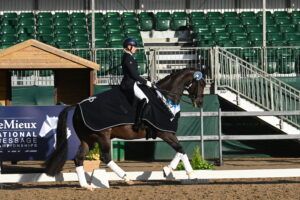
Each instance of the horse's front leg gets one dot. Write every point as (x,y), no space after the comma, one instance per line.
(105,144)
(172,140)
(80,156)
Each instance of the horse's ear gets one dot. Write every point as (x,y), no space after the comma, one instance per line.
(204,69)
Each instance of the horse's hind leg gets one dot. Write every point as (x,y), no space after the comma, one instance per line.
(79,158)
(172,140)
(105,144)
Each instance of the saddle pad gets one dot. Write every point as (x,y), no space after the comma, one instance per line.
(111,108)
(107,109)
(159,115)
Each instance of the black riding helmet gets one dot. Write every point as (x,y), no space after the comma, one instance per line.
(129,41)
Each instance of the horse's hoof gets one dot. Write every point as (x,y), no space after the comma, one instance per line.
(192,175)
(129,182)
(89,187)
(168,173)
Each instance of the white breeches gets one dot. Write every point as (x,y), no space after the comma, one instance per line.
(139,93)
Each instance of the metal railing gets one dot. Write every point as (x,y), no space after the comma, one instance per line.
(278,61)
(43,77)
(155,63)
(110,59)
(160,61)
(255,85)
(218,136)
(164,60)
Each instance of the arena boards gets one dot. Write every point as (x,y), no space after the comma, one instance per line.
(100,178)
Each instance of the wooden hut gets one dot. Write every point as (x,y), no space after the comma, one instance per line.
(73,75)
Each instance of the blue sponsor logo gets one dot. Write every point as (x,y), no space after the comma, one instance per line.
(29,132)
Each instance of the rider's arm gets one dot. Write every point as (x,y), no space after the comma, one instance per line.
(131,66)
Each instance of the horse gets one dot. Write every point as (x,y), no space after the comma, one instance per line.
(172,88)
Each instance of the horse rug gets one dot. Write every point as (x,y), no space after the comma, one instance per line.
(111,108)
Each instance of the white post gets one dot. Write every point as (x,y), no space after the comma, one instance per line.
(216,65)
(93,24)
(264,36)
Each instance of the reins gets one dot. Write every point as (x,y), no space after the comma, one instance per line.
(197,76)
(173,93)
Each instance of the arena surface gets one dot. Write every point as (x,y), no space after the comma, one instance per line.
(280,188)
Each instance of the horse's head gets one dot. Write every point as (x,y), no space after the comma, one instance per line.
(195,88)
(189,79)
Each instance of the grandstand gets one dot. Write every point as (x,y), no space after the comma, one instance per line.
(252,64)
(239,26)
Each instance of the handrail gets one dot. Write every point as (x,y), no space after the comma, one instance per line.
(255,85)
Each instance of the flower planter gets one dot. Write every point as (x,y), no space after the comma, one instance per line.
(90,165)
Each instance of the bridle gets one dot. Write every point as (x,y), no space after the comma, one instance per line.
(195,95)
(192,96)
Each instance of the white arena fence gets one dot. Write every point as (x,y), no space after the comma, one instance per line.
(220,137)
(100,178)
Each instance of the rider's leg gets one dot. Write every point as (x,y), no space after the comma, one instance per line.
(139,93)
(142,106)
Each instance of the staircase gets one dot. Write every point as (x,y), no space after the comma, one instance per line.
(252,89)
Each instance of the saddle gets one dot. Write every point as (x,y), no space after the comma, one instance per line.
(111,108)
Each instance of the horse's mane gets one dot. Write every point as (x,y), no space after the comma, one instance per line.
(175,72)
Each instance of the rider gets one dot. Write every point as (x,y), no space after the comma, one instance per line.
(131,78)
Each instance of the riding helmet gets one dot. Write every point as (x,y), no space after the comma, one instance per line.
(129,41)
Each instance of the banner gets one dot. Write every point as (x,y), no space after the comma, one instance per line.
(29,132)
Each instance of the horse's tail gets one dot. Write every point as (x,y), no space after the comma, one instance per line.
(58,158)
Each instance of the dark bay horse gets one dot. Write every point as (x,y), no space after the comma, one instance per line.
(172,87)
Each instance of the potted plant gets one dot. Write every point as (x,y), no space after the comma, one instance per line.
(92,160)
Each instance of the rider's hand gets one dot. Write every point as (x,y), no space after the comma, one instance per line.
(149,84)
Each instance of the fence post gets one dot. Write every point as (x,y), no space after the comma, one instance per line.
(94,55)
(211,63)
(237,74)
(153,72)
(201,133)
(215,63)
(93,24)
(272,95)
(220,137)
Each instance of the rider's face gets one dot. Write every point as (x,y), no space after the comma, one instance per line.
(132,49)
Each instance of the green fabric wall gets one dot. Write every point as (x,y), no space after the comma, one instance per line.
(101,88)
(33,95)
(293,81)
(39,95)
(191,126)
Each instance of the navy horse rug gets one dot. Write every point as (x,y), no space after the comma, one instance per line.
(111,108)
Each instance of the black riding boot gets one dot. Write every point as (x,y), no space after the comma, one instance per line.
(142,106)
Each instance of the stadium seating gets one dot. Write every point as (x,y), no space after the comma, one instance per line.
(228,29)
(249,23)
(47,25)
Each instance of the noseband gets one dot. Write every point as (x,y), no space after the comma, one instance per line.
(197,76)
